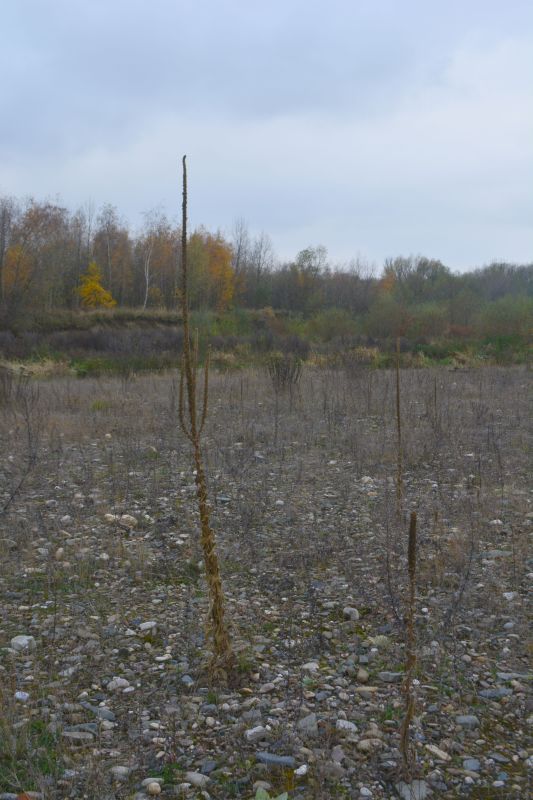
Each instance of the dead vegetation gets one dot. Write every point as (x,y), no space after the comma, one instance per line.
(101,564)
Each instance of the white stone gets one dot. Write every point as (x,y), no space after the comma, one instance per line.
(120,773)
(197,779)
(346,726)
(438,753)
(22,643)
(117,683)
(255,734)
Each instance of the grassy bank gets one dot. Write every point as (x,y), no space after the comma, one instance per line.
(130,340)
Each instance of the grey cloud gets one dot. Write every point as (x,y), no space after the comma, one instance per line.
(381,127)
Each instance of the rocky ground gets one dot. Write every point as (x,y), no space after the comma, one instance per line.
(102,645)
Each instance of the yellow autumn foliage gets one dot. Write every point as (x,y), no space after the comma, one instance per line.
(91,291)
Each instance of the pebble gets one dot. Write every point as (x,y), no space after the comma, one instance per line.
(100,711)
(78,737)
(369,745)
(309,725)
(255,734)
(273,760)
(120,773)
(417,790)
(467,721)
(366,691)
(23,643)
(117,683)
(438,753)
(197,779)
(345,726)
(471,764)
(390,677)
(351,613)
(495,694)
(148,626)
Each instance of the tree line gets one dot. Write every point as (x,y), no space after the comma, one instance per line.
(52,258)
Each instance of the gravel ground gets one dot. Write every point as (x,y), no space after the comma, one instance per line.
(102,644)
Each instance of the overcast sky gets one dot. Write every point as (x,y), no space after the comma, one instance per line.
(373,127)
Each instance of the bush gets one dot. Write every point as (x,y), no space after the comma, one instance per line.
(508,316)
(333,323)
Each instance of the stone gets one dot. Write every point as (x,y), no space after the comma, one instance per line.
(442,755)
(273,760)
(128,520)
(311,666)
(390,677)
(78,737)
(495,694)
(417,790)
(346,726)
(148,626)
(337,754)
(255,734)
(100,711)
(467,721)
(117,683)
(120,773)
(265,785)
(351,613)
(153,788)
(23,643)
(369,745)
(197,779)
(309,725)
(366,692)
(471,764)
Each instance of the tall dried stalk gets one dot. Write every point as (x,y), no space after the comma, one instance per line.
(399,474)
(222,657)
(410,661)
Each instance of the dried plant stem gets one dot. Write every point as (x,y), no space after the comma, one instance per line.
(410,663)
(399,474)
(222,657)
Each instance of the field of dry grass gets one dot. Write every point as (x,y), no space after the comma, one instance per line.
(109,690)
